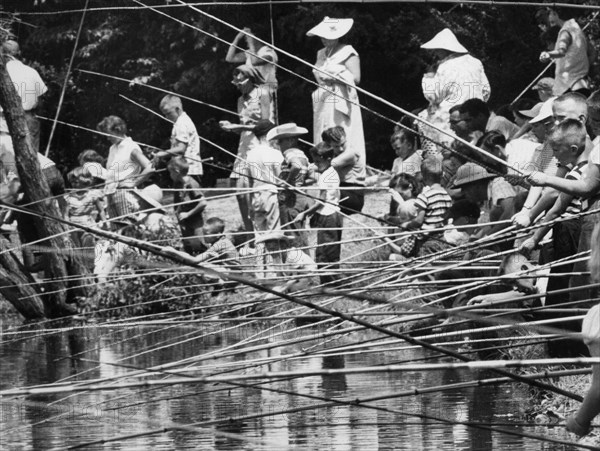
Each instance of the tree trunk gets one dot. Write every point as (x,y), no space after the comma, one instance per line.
(58,266)
(17,286)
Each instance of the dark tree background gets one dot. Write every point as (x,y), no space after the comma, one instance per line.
(144,45)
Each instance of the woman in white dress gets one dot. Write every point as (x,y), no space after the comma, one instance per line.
(457,77)
(335,101)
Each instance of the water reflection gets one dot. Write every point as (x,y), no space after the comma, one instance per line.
(44,422)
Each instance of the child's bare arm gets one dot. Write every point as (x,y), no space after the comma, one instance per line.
(415,223)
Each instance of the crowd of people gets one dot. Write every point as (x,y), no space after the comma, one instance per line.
(535,162)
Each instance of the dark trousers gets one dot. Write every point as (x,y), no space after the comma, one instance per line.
(290,205)
(353,199)
(329,247)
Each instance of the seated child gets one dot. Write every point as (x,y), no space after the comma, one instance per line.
(479,186)
(432,205)
(404,189)
(221,251)
(94,164)
(409,156)
(292,269)
(189,204)
(84,206)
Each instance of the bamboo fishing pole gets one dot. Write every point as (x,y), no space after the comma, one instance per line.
(320,70)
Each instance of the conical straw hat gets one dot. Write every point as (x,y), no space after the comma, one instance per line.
(445,40)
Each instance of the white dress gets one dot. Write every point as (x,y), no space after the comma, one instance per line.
(340,108)
(458,78)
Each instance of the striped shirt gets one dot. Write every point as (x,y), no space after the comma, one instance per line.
(435,202)
(574,207)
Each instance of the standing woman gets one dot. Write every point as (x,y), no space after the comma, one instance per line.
(126,168)
(335,101)
(454,79)
(253,105)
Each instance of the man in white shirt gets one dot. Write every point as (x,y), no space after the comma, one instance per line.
(30,87)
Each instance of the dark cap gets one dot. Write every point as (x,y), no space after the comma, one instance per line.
(263,127)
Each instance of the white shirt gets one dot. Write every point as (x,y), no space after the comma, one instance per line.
(264,166)
(28,83)
(411,165)
(329,186)
(184,131)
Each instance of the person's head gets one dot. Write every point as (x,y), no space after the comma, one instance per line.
(178,168)
(171,107)
(335,137)
(114,126)
(517,264)
(275,243)
(79,178)
(593,121)
(475,114)
(570,105)
(286,135)
(544,88)
(542,123)
(522,104)
(262,128)
(473,179)
(431,171)
(246,77)
(546,18)
(493,142)
(463,212)
(406,185)
(10,48)
(90,156)
(213,230)
(322,155)
(567,140)
(549,37)
(404,143)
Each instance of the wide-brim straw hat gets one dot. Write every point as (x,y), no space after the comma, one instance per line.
(533,112)
(545,111)
(445,40)
(273,236)
(286,131)
(331,28)
(469,173)
(152,195)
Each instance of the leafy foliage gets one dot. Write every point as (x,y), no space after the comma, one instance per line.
(153,49)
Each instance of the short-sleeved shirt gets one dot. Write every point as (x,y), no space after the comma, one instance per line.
(329,186)
(499,189)
(435,202)
(411,165)
(82,207)
(294,157)
(223,251)
(575,206)
(186,197)
(501,124)
(185,131)
(263,164)
(267,70)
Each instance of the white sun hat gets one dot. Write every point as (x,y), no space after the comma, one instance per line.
(286,131)
(445,40)
(545,111)
(331,28)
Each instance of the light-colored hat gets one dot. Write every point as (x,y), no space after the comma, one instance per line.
(286,131)
(545,111)
(445,40)
(533,112)
(273,236)
(469,173)
(331,28)
(152,195)
(546,83)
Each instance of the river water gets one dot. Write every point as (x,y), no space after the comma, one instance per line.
(61,420)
